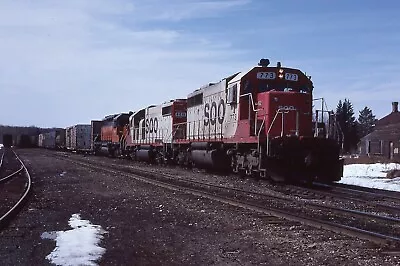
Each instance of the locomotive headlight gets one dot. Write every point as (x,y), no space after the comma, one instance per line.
(281,71)
(280,76)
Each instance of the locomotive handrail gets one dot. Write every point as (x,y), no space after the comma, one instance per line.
(253,108)
(270,127)
(252,101)
(259,133)
(282,111)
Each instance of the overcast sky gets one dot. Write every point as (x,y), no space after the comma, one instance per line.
(67,62)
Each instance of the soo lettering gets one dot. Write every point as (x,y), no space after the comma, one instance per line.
(214,112)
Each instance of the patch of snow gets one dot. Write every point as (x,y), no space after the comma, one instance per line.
(1,145)
(63,173)
(371,175)
(79,246)
(49,235)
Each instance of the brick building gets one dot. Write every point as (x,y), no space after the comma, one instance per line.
(384,141)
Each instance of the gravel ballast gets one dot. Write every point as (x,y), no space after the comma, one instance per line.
(147,225)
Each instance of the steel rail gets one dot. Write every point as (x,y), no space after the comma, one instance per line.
(18,204)
(325,193)
(303,202)
(347,190)
(348,197)
(5,179)
(361,214)
(2,157)
(377,238)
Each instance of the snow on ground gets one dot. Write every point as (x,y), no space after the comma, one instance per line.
(1,146)
(79,246)
(371,175)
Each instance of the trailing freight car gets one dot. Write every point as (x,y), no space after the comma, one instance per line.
(7,140)
(26,141)
(95,133)
(78,138)
(54,139)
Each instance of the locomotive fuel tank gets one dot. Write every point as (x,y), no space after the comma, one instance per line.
(200,145)
(103,149)
(145,153)
(211,159)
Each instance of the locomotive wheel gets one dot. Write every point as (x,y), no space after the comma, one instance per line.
(276,177)
(160,159)
(242,173)
(117,153)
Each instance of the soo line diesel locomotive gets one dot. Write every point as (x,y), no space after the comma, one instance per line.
(258,122)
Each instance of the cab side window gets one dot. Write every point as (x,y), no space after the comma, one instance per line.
(232,94)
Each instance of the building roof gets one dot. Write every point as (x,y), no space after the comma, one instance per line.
(392,118)
(385,132)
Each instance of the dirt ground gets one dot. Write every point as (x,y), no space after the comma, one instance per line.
(147,225)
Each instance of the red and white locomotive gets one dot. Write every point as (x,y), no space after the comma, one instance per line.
(152,131)
(256,122)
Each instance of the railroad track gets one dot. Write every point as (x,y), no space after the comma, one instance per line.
(372,194)
(376,204)
(366,202)
(15,185)
(2,157)
(379,229)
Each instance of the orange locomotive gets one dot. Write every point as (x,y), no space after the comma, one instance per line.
(109,134)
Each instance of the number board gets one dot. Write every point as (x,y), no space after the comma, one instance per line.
(291,77)
(180,114)
(266,75)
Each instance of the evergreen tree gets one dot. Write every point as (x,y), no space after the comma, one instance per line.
(347,122)
(366,122)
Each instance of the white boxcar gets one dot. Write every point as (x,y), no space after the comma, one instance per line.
(68,137)
(50,140)
(78,137)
